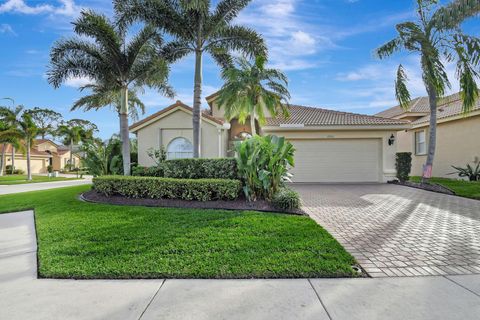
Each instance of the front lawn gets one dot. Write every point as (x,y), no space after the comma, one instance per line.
(85,240)
(467,189)
(22,179)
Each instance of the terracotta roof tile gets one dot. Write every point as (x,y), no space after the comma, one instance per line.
(311,116)
(33,152)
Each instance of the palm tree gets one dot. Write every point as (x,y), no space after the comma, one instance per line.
(28,131)
(12,116)
(72,134)
(8,135)
(104,97)
(110,59)
(436,36)
(197,29)
(252,89)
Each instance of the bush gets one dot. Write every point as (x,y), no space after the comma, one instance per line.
(49,168)
(8,170)
(222,168)
(403,164)
(470,172)
(286,199)
(147,171)
(167,188)
(263,164)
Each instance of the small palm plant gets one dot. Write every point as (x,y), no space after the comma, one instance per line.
(251,90)
(436,36)
(197,29)
(470,172)
(72,134)
(111,62)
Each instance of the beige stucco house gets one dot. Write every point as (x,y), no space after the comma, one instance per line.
(43,153)
(332,146)
(458,134)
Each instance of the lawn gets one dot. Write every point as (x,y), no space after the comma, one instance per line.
(84,240)
(22,179)
(467,189)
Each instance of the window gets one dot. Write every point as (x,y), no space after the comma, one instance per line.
(420,143)
(179,148)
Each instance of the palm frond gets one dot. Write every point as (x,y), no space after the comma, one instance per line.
(389,48)
(238,38)
(401,91)
(452,15)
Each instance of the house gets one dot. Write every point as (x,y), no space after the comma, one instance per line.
(331,146)
(43,153)
(458,134)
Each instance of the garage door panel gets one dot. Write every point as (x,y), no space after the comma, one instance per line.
(342,160)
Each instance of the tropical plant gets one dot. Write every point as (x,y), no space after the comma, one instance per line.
(12,117)
(103,158)
(251,90)
(8,135)
(437,37)
(46,120)
(470,172)
(72,135)
(157,155)
(263,164)
(197,29)
(29,131)
(111,62)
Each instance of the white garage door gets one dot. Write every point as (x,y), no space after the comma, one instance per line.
(340,160)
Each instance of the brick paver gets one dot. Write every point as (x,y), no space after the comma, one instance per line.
(396,231)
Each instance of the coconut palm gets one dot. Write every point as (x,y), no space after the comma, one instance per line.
(12,117)
(251,89)
(197,29)
(436,37)
(8,135)
(110,59)
(28,131)
(73,135)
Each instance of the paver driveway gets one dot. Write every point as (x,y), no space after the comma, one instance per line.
(399,231)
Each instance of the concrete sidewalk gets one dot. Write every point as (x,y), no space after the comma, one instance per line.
(17,188)
(23,296)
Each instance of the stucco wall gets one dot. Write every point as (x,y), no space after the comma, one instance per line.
(178,124)
(387,152)
(458,143)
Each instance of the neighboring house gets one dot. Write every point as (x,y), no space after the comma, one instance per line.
(331,146)
(43,153)
(458,134)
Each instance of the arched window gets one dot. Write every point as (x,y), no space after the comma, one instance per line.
(179,148)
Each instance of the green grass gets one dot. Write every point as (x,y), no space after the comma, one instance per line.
(22,179)
(85,240)
(467,189)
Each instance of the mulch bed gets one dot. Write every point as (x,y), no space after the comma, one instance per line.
(239,204)
(425,186)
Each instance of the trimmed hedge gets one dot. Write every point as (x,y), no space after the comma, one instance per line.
(222,168)
(403,164)
(140,171)
(286,199)
(168,188)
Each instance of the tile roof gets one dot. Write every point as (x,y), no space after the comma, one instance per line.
(417,105)
(173,106)
(33,152)
(40,141)
(311,116)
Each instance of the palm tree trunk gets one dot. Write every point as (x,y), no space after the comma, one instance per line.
(29,171)
(2,159)
(197,94)
(432,140)
(253,128)
(71,155)
(124,133)
(13,159)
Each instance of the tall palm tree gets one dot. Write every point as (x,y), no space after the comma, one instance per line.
(72,134)
(110,59)
(28,131)
(437,37)
(251,89)
(12,116)
(8,135)
(197,29)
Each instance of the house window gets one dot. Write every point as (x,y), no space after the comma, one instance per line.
(179,148)
(420,143)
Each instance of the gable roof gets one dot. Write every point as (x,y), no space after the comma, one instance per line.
(178,104)
(311,116)
(41,141)
(417,105)
(33,152)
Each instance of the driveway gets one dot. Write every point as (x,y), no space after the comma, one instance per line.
(399,231)
(27,187)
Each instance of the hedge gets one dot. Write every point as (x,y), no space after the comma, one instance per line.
(222,168)
(168,188)
(403,164)
(147,171)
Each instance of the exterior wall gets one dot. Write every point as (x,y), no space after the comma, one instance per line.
(457,144)
(46,146)
(179,124)
(387,152)
(59,161)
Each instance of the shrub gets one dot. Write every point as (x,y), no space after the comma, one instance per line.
(49,168)
(403,164)
(222,168)
(8,170)
(140,171)
(263,164)
(286,199)
(167,188)
(470,172)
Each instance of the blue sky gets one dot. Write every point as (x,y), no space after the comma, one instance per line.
(324,46)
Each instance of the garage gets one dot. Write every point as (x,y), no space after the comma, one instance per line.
(337,160)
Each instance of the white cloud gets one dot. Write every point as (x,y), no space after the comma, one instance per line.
(7,29)
(65,8)
(77,82)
